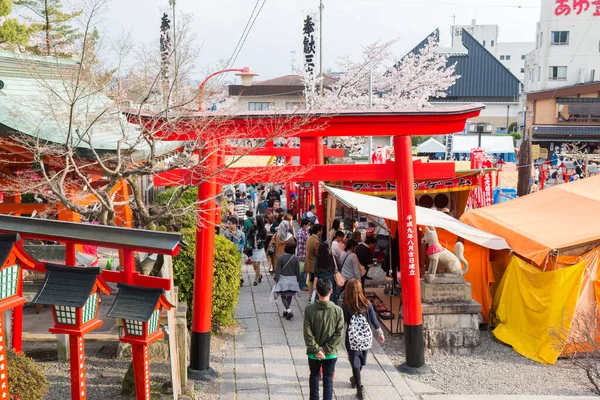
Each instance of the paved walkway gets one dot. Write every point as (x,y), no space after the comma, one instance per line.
(269,360)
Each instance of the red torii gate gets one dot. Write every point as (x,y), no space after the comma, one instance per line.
(260,125)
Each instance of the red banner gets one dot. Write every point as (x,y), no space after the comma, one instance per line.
(434,185)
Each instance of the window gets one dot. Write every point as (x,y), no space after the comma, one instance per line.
(523,57)
(507,57)
(502,58)
(457,32)
(541,38)
(522,70)
(539,73)
(484,43)
(492,44)
(592,75)
(263,106)
(559,38)
(292,105)
(557,74)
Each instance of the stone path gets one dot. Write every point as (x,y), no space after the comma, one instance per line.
(269,360)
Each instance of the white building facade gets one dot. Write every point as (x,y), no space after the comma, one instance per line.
(510,54)
(567,50)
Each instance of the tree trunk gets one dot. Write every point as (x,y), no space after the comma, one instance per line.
(524,184)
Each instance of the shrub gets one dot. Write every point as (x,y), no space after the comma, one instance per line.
(25,377)
(187,199)
(226,283)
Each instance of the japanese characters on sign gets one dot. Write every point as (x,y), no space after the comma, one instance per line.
(3,371)
(80,354)
(449,146)
(146,371)
(421,186)
(410,243)
(566,7)
(487,190)
(309,43)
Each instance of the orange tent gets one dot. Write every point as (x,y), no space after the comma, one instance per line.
(562,219)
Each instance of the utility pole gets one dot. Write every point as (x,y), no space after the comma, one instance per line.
(293,53)
(321,44)
(453,28)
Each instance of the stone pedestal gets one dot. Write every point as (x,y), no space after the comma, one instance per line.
(450,315)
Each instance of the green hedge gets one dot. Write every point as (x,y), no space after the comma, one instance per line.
(25,377)
(226,277)
(186,200)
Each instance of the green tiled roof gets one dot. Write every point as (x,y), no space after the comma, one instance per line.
(35,101)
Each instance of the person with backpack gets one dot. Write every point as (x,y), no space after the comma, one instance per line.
(257,240)
(287,278)
(359,316)
(311,214)
(323,330)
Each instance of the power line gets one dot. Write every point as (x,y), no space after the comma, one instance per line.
(248,33)
(243,33)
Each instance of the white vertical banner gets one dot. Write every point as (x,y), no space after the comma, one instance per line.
(310,39)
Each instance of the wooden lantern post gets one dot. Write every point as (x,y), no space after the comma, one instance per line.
(140,308)
(74,294)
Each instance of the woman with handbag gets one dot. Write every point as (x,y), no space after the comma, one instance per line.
(287,278)
(257,238)
(351,267)
(326,267)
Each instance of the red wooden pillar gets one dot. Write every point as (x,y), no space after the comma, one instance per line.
(70,255)
(141,362)
(17,319)
(203,278)
(128,265)
(77,361)
(289,186)
(409,256)
(318,185)
(4,391)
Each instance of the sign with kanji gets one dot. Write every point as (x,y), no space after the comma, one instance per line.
(578,7)
(449,146)
(309,42)
(3,368)
(411,237)
(420,187)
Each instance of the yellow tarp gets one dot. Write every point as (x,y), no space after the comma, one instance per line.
(534,308)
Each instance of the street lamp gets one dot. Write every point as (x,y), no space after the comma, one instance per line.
(544,171)
(246,75)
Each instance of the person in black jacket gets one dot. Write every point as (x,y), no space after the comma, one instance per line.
(325,267)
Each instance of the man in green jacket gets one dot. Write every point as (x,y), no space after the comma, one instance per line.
(323,330)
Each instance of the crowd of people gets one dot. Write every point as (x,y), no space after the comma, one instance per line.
(331,266)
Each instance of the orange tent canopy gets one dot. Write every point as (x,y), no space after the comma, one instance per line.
(558,218)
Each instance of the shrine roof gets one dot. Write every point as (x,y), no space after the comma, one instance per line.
(66,286)
(7,242)
(33,101)
(135,302)
(100,235)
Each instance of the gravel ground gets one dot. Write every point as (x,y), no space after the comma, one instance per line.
(495,368)
(105,373)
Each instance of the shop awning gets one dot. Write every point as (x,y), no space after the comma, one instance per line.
(387,209)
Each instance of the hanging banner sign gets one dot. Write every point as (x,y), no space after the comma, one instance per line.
(309,43)
(438,185)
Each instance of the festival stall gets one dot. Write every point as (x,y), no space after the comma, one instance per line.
(499,146)
(477,246)
(549,289)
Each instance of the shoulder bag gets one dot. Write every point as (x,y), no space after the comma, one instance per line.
(339,279)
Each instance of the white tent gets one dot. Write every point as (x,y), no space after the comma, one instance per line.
(387,209)
(490,143)
(431,146)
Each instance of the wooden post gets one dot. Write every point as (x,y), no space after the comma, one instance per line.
(77,361)
(17,319)
(141,363)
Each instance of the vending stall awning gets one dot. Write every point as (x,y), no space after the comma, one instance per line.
(387,209)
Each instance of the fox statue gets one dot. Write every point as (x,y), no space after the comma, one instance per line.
(438,254)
